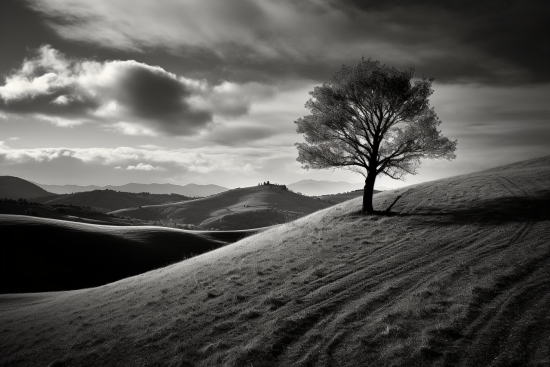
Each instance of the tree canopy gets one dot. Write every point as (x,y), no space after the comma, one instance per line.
(372,119)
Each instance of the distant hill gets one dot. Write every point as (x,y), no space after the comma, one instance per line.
(114,200)
(72,213)
(318,188)
(15,188)
(229,202)
(187,190)
(68,189)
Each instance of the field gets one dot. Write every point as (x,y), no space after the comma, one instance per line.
(457,274)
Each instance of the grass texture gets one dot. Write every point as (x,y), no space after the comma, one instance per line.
(457,274)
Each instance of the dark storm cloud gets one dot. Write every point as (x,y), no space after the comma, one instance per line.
(508,39)
(542,115)
(156,96)
(240,135)
(47,105)
(131,97)
(454,41)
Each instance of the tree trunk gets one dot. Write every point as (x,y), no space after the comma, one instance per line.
(368,191)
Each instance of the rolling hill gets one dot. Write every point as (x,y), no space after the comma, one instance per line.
(191,190)
(457,274)
(15,188)
(41,254)
(229,202)
(114,200)
(66,213)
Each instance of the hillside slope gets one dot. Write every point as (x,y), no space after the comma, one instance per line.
(15,188)
(228,202)
(457,275)
(41,254)
(114,200)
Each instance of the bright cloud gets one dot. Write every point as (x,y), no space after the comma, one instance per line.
(134,159)
(124,96)
(143,167)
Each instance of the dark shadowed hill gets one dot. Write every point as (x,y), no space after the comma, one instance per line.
(114,200)
(457,275)
(190,190)
(15,188)
(68,213)
(229,202)
(38,254)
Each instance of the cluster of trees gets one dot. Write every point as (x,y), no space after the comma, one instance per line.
(267,183)
(18,201)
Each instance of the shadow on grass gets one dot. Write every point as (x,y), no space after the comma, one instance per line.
(535,207)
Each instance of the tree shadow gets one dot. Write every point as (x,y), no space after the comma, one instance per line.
(529,208)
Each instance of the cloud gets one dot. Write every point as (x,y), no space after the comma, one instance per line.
(239,134)
(255,39)
(125,96)
(134,159)
(150,146)
(142,167)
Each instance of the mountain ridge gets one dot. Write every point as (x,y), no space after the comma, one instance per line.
(191,189)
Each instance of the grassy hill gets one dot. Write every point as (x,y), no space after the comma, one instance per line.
(457,275)
(114,200)
(15,188)
(252,219)
(41,254)
(229,202)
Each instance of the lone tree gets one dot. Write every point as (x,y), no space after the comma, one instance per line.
(371,119)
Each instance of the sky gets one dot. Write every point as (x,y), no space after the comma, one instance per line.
(207,92)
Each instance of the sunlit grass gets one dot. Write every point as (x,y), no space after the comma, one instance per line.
(456,274)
